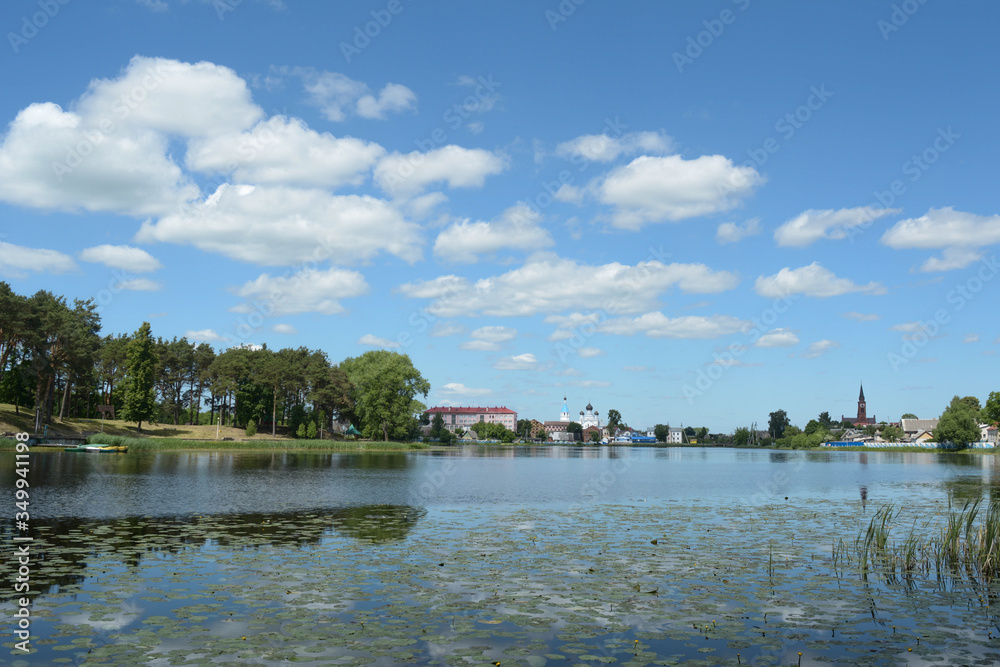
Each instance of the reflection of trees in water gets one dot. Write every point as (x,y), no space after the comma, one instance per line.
(378,523)
(63,547)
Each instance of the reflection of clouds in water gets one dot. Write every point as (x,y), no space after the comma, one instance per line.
(126,616)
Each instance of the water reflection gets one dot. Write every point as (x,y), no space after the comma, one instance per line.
(62,548)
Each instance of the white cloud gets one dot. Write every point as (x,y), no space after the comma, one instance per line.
(778,338)
(489,338)
(407,175)
(17,260)
(569,194)
(520,362)
(280,226)
(286,329)
(58,160)
(550,284)
(813,225)
(371,340)
(733,232)
(393,98)
(951,259)
(944,228)
(819,348)
(959,233)
(908,327)
(174,98)
(111,153)
(971,338)
(812,280)
(442,329)
(658,325)
(861,317)
(126,258)
(517,228)
(205,336)
(657,189)
(308,291)
(590,352)
(602,148)
(139,285)
(456,389)
(285,151)
(339,96)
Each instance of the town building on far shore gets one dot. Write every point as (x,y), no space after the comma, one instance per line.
(464,417)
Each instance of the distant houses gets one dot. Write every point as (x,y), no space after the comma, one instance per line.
(456,417)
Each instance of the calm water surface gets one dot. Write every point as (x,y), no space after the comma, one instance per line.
(475,555)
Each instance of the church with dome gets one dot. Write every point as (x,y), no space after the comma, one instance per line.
(589,419)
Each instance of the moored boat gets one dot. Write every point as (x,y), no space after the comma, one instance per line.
(102,449)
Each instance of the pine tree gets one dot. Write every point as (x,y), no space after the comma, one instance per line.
(140,366)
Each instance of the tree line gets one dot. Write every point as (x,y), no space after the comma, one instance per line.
(55,362)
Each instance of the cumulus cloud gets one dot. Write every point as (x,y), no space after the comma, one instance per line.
(284,151)
(371,340)
(516,229)
(819,348)
(16,260)
(489,338)
(338,96)
(658,325)
(442,329)
(139,285)
(406,175)
(520,362)
(812,280)
(281,226)
(778,338)
(285,329)
(604,148)
(590,352)
(529,290)
(813,225)
(307,291)
(205,336)
(733,232)
(111,153)
(670,188)
(959,233)
(126,258)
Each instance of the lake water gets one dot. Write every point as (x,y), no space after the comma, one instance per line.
(547,555)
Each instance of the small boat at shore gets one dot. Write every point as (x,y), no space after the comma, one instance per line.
(101,449)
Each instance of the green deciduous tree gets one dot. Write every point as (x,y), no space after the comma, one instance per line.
(386,385)
(662,432)
(909,415)
(958,424)
(892,433)
(140,370)
(777,423)
(614,420)
(741,437)
(991,411)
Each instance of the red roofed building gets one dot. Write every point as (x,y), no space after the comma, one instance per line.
(464,418)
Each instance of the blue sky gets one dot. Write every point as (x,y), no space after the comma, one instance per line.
(694,213)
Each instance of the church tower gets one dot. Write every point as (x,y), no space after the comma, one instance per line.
(564,417)
(862,409)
